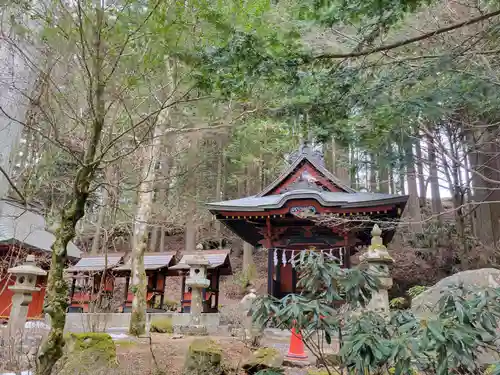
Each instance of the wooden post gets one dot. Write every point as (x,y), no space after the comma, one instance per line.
(270,269)
(347,260)
(162,298)
(127,284)
(217,286)
(73,286)
(294,280)
(277,292)
(183,289)
(270,272)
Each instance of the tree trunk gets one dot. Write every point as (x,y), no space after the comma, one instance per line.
(150,156)
(392,182)
(218,190)
(413,206)
(436,204)
(384,168)
(248,262)
(373,173)
(484,162)
(56,298)
(190,235)
(339,162)
(420,170)
(166,171)
(102,212)
(402,169)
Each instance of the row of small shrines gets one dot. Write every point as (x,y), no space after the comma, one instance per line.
(97,278)
(88,289)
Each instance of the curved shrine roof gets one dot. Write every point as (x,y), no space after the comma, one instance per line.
(325,198)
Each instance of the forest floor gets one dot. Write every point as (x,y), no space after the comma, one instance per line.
(136,357)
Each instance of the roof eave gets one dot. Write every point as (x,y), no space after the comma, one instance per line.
(313,195)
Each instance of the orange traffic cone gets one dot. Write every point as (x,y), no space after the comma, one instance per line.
(296,349)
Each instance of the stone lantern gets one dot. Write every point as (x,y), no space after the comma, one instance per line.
(198,281)
(23,289)
(378,260)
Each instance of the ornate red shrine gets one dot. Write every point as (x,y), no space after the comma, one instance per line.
(290,215)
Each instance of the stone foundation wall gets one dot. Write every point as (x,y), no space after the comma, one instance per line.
(99,322)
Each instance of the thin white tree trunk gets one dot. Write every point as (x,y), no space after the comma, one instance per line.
(149,156)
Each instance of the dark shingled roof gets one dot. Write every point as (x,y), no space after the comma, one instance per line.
(152,261)
(95,263)
(327,199)
(216,259)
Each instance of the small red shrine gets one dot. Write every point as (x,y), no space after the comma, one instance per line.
(88,284)
(91,275)
(156,266)
(285,217)
(22,232)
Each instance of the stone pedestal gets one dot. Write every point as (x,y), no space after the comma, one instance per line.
(378,260)
(197,280)
(23,289)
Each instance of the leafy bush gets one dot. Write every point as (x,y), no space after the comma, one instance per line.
(416,290)
(398,303)
(464,323)
(161,325)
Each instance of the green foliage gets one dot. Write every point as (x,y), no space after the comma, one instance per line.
(416,290)
(270,372)
(170,305)
(464,323)
(333,12)
(204,357)
(398,303)
(324,283)
(162,325)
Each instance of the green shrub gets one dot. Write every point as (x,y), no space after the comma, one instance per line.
(87,353)
(161,325)
(416,290)
(204,357)
(398,303)
(170,305)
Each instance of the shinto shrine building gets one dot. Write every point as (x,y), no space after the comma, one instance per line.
(307,208)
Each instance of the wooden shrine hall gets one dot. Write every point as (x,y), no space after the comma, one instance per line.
(307,208)
(156,266)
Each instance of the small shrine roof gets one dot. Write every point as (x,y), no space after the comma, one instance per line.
(325,198)
(95,263)
(152,261)
(216,259)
